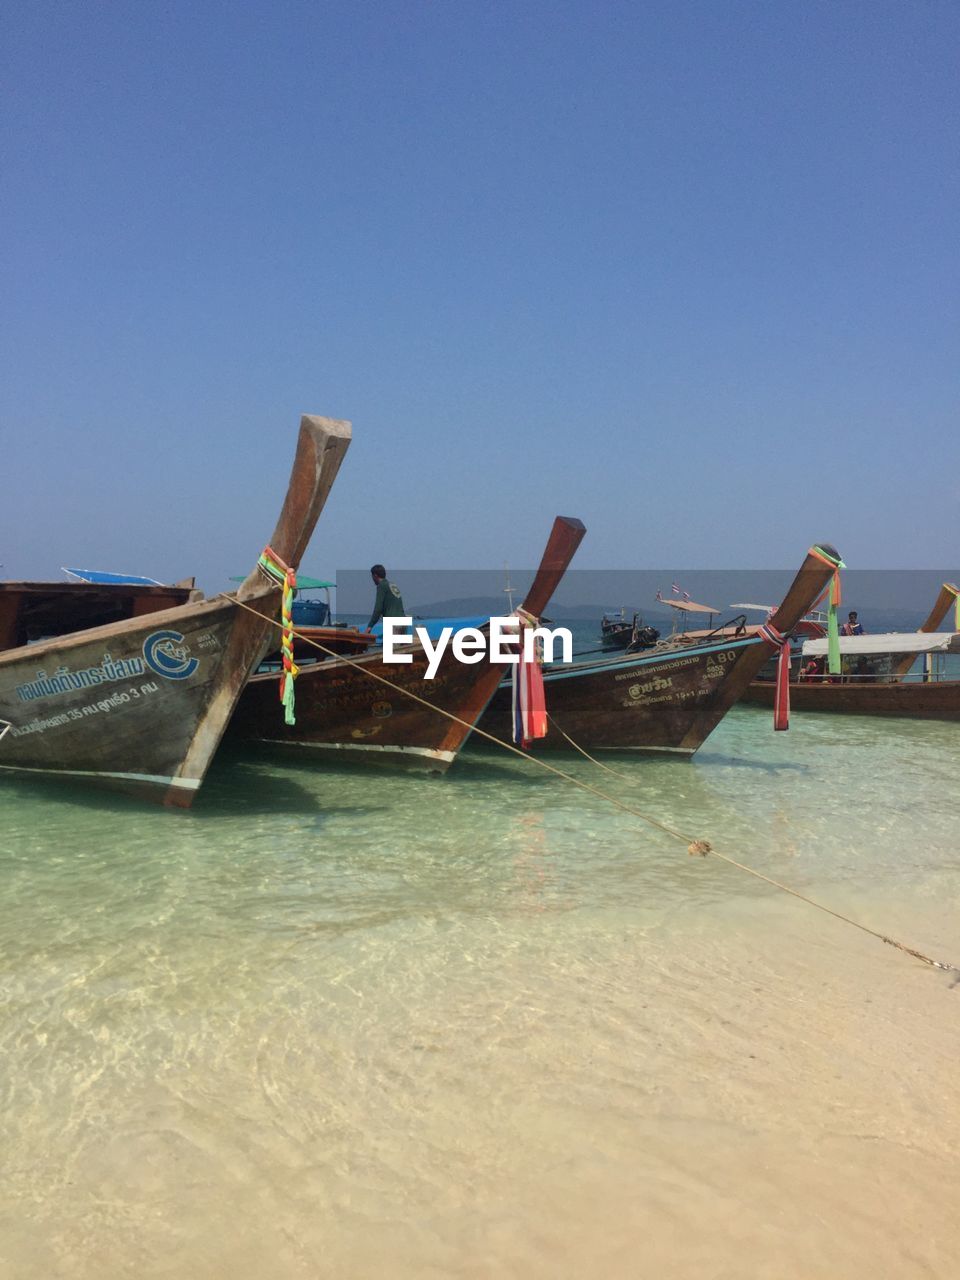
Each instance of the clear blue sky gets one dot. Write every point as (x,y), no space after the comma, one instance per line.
(686,270)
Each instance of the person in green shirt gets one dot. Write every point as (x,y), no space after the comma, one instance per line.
(388,603)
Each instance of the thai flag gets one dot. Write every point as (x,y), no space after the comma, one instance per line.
(676,589)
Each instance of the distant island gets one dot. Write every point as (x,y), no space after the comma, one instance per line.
(468,606)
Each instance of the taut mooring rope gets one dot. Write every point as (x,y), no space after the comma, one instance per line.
(694,847)
(703,847)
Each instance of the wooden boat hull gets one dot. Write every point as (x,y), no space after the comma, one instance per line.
(344,712)
(669,698)
(936,700)
(666,702)
(141,704)
(348,640)
(139,709)
(615,635)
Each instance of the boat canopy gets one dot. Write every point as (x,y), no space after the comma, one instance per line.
(304,583)
(891,643)
(688,606)
(125,579)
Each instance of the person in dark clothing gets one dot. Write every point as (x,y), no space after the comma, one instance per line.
(388,603)
(852,626)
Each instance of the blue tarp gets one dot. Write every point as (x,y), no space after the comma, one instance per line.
(125,579)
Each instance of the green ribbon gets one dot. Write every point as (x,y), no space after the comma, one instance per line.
(833,642)
(289,701)
(272,570)
(834,666)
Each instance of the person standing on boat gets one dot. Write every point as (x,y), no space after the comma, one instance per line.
(389,603)
(852,626)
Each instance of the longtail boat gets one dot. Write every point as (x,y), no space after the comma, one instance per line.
(870,683)
(948,596)
(343,710)
(671,697)
(618,633)
(876,676)
(141,703)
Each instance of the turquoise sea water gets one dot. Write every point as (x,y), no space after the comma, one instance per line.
(345,1023)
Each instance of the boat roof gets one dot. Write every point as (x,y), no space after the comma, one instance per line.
(106,579)
(688,606)
(892,642)
(304,583)
(87,590)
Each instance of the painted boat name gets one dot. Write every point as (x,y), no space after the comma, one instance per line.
(117,699)
(164,653)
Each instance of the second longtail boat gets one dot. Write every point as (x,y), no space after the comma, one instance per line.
(360,708)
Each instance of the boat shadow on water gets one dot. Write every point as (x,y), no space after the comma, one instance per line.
(711,760)
(234,788)
(476,763)
(256,782)
(485,763)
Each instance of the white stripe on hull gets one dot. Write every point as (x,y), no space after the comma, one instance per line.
(679,751)
(429,753)
(187,784)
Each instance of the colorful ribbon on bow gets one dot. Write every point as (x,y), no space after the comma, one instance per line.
(274,568)
(781,699)
(833,625)
(529,704)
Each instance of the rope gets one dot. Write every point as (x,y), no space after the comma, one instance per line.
(694,847)
(703,847)
(584,752)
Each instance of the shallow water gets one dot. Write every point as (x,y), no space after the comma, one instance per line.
(350,1024)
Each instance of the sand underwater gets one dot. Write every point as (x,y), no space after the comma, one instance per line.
(350,1024)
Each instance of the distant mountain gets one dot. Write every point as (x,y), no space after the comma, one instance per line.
(465,606)
(462,606)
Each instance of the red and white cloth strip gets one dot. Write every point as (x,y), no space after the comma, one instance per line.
(781,700)
(529,703)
